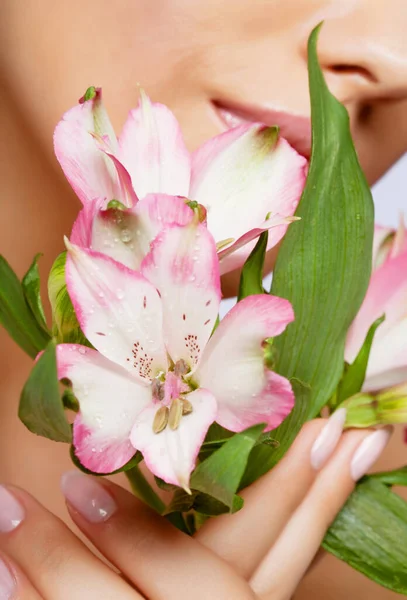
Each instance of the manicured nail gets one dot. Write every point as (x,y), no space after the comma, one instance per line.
(11,511)
(328,439)
(368,452)
(88,497)
(7,582)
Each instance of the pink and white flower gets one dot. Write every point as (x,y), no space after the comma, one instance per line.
(240,177)
(387,294)
(157,379)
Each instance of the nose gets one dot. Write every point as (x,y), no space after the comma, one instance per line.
(364,52)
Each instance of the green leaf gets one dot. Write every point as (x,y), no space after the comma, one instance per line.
(41,408)
(370,534)
(355,374)
(133,462)
(201,503)
(32,293)
(66,328)
(396,477)
(219,475)
(324,264)
(15,314)
(251,278)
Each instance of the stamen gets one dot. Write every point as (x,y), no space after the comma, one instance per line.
(181,368)
(174,418)
(158,390)
(161,419)
(186,407)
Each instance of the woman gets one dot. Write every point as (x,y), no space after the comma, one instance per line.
(214,64)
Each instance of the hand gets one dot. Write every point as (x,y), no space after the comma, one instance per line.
(261,552)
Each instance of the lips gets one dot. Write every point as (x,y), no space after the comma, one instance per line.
(296,129)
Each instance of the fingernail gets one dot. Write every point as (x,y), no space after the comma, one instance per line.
(11,511)
(88,497)
(7,582)
(328,439)
(368,452)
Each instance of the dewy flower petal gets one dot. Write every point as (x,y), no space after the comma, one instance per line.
(242,175)
(110,401)
(387,294)
(126,235)
(171,454)
(119,311)
(232,366)
(184,267)
(152,149)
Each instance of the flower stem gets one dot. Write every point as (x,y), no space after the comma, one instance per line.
(143,490)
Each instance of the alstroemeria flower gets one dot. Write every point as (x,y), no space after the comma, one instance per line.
(387,294)
(388,243)
(157,379)
(240,176)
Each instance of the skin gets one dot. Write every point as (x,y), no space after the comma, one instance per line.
(162,563)
(185,54)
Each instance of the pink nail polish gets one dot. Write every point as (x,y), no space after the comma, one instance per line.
(88,497)
(368,452)
(328,439)
(7,582)
(11,511)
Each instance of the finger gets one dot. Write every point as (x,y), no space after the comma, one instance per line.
(286,563)
(163,562)
(13,583)
(271,500)
(51,556)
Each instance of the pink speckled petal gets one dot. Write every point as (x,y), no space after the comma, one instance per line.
(233,369)
(183,266)
(110,401)
(119,311)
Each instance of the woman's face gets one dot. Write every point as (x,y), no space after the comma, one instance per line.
(214,62)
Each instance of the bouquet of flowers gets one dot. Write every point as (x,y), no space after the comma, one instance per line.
(137,365)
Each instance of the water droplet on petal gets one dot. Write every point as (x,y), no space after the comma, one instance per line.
(126,236)
(120,294)
(82,350)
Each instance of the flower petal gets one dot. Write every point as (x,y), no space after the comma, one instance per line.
(84,165)
(81,234)
(183,266)
(152,149)
(110,400)
(242,175)
(171,454)
(126,235)
(119,311)
(273,225)
(233,369)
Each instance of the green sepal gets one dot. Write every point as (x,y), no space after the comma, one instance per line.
(90,93)
(133,462)
(354,374)
(251,278)
(219,475)
(370,534)
(201,503)
(41,408)
(32,293)
(16,315)
(66,328)
(116,205)
(70,401)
